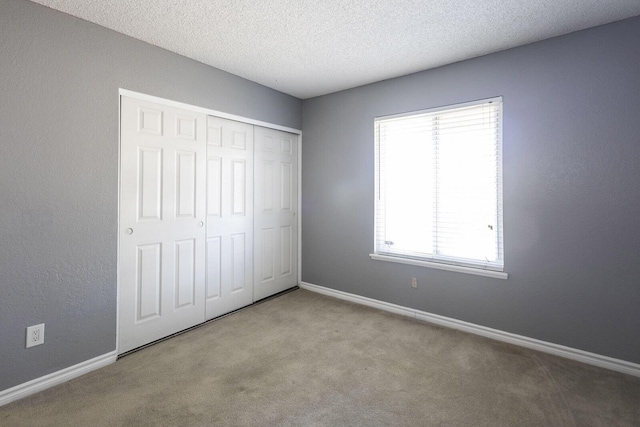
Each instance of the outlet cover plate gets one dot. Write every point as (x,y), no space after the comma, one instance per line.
(35,335)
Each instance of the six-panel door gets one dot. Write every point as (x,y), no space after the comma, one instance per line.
(229,216)
(275,222)
(162,214)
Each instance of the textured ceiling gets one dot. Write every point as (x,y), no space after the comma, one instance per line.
(308,48)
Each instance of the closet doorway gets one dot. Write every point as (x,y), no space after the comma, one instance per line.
(207,219)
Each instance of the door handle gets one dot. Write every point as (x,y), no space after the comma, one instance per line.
(201,224)
(129,231)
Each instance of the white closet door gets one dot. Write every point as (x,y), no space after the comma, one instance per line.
(229,216)
(162,214)
(276,201)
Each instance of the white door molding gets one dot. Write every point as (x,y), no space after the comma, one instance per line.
(203,110)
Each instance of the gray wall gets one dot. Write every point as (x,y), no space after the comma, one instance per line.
(571,191)
(59,80)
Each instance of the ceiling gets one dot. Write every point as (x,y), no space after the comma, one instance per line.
(309,48)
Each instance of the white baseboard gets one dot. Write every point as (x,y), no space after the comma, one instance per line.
(55,378)
(519,340)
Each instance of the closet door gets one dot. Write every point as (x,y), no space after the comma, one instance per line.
(276,201)
(229,216)
(162,214)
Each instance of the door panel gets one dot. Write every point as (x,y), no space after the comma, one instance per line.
(267,185)
(148,281)
(214,186)
(286,254)
(239,187)
(229,216)
(286,198)
(162,214)
(276,201)
(238,262)
(186,185)
(214,267)
(266,250)
(150,183)
(185,273)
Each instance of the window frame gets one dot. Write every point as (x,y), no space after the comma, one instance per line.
(490,269)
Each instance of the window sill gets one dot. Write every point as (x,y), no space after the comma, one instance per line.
(439,266)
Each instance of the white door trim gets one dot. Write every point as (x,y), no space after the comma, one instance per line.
(299,208)
(208,111)
(145,97)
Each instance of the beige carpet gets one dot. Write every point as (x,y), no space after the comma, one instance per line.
(304,359)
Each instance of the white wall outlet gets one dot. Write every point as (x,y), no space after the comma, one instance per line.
(414,282)
(35,335)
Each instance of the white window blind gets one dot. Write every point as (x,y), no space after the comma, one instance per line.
(439,185)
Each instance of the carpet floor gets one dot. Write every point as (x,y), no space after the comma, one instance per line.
(304,359)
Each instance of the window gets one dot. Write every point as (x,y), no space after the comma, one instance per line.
(439,187)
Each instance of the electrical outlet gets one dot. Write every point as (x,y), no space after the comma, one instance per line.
(414,282)
(35,335)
